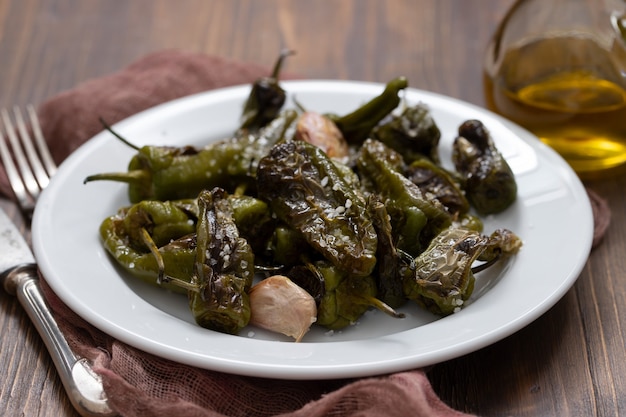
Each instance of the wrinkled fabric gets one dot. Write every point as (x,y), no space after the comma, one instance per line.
(141,384)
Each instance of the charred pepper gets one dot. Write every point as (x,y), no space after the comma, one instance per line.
(266,98)
(389,260)
(223,268)
(442,278)
(415,219)
(489,182)
(434,180)
(153,239)
(413,133)
(307,191)
(156,241)
(171,173)
(346,297)
(357,125)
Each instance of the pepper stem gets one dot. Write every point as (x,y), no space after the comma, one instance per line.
(117,135)
(137,176)
(279,63)
(490,262)
(380,305)
(149,242)
(189,286)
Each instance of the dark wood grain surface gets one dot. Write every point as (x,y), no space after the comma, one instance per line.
(569,362)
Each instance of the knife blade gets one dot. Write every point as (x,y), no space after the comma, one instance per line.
(18,276)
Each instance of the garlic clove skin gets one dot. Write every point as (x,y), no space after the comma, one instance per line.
(322,132)
(279,305)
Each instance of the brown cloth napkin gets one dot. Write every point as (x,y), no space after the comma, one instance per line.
(140,384)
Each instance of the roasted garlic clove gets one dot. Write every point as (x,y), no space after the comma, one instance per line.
(281,306)
(322,132)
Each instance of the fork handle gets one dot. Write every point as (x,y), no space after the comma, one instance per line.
(82,384)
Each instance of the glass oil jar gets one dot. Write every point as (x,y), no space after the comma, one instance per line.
(558,68)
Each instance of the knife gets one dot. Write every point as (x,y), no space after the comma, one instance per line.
(18,275)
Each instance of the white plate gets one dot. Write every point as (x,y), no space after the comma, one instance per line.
(552,214)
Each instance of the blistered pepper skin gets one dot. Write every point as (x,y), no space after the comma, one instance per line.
(170,224)
(172,173)
(223,268)
(357,125)
(413,133)
(442,278)
(416,219)
(266,98)
(306,190)
(434,180)
(489,182)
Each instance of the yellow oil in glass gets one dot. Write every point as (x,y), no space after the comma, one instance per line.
(580,114)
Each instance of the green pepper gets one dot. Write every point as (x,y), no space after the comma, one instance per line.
(266,98)
(253,218)
(413,133)
(357,125)
(442,278)
(306,190)
(164,221)
(489,182)
(286,247)
(415,218)
(156,241)
(434,180)
(502,242)
(469,221)
(223,268)
(346,297)
(171,173)
(153,239)
(389,264)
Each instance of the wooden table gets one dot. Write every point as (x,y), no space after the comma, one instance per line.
(571,361)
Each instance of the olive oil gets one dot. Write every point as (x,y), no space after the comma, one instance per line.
(572,103)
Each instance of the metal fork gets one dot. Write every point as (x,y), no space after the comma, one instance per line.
(27,179)
(32,157)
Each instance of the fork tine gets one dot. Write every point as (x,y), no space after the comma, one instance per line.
(27,176)
(27,162)
(36,166)
(23,198)
(40,141)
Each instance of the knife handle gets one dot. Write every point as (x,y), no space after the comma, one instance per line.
(82,384)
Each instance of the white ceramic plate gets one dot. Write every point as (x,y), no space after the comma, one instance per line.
(552,214)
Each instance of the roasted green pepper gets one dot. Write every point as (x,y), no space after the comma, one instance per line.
(413,133)
(442,277)
(171,173)
(307,191)
(434,180)
(156,241)
(415,218)
(489,182)
(153,239)
(357,125)
(389,260)
(223,268)
(346,298)
(286,247)
(266,98)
